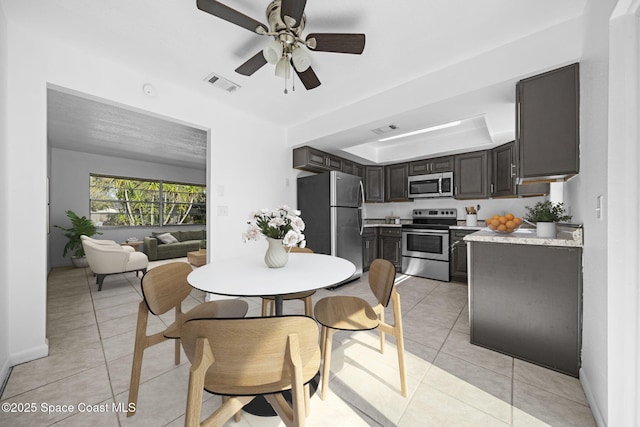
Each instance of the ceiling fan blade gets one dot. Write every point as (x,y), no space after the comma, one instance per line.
(231,15)
(294,10)
(336,42)
(308,78)
(252,65)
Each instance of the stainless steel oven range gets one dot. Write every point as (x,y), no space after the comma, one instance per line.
(425,243)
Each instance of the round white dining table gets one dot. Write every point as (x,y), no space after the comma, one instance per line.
(250,277)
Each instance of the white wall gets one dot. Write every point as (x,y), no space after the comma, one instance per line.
(4,201)
(69,189)
(623,293)
(249,163)
(582,192)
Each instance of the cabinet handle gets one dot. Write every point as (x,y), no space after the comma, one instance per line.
(513,170)
(492,187)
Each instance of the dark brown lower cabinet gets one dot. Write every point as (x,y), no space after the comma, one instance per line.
(458,259)
(369,246)
(390,245)
(526,301)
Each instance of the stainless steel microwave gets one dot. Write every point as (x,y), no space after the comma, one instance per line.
(432,185)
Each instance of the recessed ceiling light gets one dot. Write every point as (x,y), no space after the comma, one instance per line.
(425,130)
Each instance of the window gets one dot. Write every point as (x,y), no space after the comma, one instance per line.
(128,202)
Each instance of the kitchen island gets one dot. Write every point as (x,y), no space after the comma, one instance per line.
(525,295)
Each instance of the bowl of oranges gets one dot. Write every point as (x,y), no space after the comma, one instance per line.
(504,223)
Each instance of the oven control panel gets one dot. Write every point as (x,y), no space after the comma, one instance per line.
(448,213)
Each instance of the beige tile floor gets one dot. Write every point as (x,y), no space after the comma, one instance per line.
(451,382)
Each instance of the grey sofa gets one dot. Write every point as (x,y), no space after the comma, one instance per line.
(188,241)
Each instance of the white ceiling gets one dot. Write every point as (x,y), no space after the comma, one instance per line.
(406,42)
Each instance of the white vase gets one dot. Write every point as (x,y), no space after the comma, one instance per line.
(277,254)
(546,230)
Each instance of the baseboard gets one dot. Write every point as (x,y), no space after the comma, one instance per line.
(30,354)
(5,370)
(595,409)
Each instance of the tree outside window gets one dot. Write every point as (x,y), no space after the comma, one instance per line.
(128,202)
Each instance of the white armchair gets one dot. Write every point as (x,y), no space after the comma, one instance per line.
(105,242)
(110,258)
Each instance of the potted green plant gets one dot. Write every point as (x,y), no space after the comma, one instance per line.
(547,215)
(79,226)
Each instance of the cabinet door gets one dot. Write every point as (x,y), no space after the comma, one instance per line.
(374,183)
(547,124)
(369,247)
(396,183)
(458,264)
(503,166)
(420,167)
(442,164)
(390,242)
(333,163)
(470,175)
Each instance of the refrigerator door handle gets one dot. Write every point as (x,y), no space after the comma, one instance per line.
(361,208)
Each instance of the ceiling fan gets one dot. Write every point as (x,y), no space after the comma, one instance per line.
(286,21)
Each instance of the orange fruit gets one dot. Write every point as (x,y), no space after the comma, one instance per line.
(493,227)
(510,225)
(502,227)
(509,216)
(495,222)
(488,221)
(517,221)
(495,216)
(502,220)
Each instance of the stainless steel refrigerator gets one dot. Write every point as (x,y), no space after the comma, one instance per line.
(331,207)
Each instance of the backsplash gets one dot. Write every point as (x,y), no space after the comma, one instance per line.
(488,207)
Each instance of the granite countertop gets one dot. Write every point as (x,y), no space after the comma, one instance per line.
(567,236)
(382,222)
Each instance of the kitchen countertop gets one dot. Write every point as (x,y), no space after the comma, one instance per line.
(463,226)
(567,237)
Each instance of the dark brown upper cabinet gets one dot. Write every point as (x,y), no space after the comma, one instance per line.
(396,183)
(374,183)
(504,166)
(547,125)
(471,175)
(313,160)
(427,166)
(352,168)
(503,170)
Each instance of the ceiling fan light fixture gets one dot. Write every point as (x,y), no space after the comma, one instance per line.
(283,68)
(273,51)
(301,59)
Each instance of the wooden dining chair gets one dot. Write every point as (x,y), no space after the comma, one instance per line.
(163,288)
(268,301)
(350,313)
(245,358)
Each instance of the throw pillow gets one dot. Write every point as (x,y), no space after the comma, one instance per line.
(167,238)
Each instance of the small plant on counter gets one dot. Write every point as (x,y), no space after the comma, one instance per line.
(547,211)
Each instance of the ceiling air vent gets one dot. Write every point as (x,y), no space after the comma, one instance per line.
(222,83)
(384,129)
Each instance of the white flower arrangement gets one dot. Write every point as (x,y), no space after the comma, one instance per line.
(283,224)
